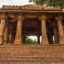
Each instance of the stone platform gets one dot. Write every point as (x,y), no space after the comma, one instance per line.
(31,54)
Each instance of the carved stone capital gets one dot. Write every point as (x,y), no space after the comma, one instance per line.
(20,17)
(43,17)
(3,16)
(59,17)
(11,15)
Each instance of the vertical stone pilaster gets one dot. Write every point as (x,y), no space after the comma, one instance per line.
(38,39)
(6,35)
(2,27)
(18,37)
(55,35)
(23,39)
(50,38)
(44,32)
(10,38)
(60,28)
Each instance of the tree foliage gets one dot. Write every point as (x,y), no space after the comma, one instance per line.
(30,41)
(54,3)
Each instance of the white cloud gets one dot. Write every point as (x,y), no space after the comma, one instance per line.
(14,2)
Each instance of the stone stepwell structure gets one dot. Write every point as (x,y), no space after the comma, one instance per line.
(16,22)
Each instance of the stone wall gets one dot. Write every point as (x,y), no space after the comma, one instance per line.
(32,54)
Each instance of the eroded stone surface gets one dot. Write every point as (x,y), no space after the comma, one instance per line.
(32,54)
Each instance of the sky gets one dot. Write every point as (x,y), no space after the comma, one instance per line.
(14,2)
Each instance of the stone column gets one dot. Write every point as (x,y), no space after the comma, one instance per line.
(55,35)
(6,35)
(60,28)
(2,27)
(38,39)
(23,39)
(10,38)
(50,38)
(44,32)
(18,36)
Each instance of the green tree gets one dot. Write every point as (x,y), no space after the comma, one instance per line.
(54,3)
(30,41)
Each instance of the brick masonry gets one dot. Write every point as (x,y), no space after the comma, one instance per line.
(32,54)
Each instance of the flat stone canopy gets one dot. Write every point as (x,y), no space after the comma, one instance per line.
(30,7)
(32,19)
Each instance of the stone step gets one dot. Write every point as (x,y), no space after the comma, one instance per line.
(32,50)
(31,54)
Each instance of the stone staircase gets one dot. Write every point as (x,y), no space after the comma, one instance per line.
(31,54)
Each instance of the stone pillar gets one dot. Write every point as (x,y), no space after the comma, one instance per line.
(6,35)
(50,38)
(23,39)
(44,32)
(10,38)
(13,37)
(60,28)
(18,37)
(38,39)
(2,27)
(55,35)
